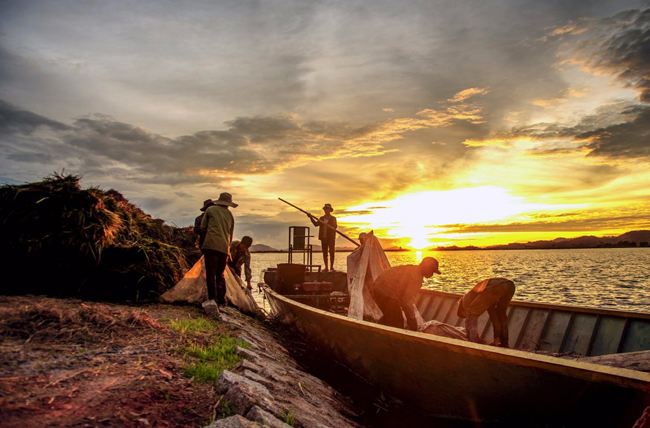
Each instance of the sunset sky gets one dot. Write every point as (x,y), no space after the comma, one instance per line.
(431,122)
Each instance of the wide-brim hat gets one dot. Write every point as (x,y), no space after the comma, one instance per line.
(225,199)
(206,204)
(328,207)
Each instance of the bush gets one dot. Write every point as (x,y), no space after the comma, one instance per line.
(61,240)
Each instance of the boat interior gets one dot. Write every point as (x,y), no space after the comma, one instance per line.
(558,330)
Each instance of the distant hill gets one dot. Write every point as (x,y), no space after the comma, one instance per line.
(262,248)
(636,238)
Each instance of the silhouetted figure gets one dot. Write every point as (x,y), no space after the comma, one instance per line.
(200,235)
(327,234)
(492,295)
(217,224)
(396,289)
(240,255)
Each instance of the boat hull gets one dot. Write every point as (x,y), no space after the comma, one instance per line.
(457,379)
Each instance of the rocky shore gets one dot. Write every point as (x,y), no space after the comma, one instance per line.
(67,362)
(269,388)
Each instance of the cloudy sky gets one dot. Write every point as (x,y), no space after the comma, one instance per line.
(431,122)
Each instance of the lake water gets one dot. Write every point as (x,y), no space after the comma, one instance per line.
(614,278)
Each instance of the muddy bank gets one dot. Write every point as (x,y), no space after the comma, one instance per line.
(65,362)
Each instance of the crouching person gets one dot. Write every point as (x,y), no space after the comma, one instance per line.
(396,289)
(492,295)
(240,256)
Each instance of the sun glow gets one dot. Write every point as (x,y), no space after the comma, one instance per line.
(417,217)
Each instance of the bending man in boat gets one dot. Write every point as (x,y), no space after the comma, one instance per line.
(492,295)
(395,291)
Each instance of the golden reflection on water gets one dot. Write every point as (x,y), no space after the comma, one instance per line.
(617,278)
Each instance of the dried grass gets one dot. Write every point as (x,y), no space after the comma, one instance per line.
(61,240)
(81,323)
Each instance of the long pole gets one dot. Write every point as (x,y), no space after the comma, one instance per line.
(321,222)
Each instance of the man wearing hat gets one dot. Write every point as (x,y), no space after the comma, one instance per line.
(326,234)
(492,295)
(197,222)
(217,224)
(395,291)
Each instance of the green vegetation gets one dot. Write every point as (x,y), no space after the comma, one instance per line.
(208,362)
(289,419)
(225,409)
(192,325)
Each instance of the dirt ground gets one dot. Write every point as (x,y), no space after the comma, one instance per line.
(65,362)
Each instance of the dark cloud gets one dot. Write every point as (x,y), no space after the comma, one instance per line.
(333,60)
(617,45)
(618,130)
(624,140)
(151,153)
(103,146)
(30,157)
(14,120)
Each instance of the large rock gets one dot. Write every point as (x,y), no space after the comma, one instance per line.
(242,394)
(228,379)
(246,353)
(270,387)
(236,421)
(265,418)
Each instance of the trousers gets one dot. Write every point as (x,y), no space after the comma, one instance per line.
(215,265)
(494,299)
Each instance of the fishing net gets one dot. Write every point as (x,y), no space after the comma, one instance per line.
(441,329)
(192,289)
(364,266)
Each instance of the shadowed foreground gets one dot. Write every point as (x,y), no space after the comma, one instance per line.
(65,362)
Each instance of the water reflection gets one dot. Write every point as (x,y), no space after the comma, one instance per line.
(616,278)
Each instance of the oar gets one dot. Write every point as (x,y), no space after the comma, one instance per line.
(322,222)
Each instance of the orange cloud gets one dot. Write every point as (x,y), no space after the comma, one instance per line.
(564,97)
(467,93)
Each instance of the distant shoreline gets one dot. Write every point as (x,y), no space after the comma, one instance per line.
(342,250)
(463,249)
(632,239)
(531,248)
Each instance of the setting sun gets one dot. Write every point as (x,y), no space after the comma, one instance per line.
(416,218)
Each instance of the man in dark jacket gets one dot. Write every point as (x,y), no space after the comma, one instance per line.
(200,235)
(217,224)
(492,295)
(326,234)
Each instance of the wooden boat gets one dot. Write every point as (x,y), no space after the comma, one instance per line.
(458,379)
(557,329)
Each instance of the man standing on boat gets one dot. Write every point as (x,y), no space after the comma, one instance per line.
(217,224)
(326,234)
(492,295)
(395,291)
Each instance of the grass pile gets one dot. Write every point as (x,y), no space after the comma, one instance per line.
(61,240)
